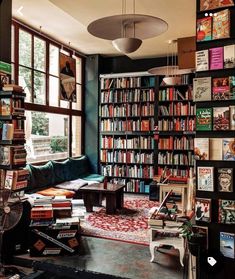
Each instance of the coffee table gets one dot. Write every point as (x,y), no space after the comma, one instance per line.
(113,194)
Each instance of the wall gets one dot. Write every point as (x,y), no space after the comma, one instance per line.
(5,30)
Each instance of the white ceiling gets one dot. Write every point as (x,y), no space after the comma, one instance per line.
(67,21)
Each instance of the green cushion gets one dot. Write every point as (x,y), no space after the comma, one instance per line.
(42,176)
(61,171)
(78,167)
(93,177)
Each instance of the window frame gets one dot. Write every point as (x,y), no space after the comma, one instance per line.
(70,112)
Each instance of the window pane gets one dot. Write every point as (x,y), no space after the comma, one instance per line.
(78,69)
(64,104)
(39,88)
(53,91)
(39,54)
(25,40)
(12,43)
(78,104)
(76,136)
(45,139)
(54,60)
(25,80)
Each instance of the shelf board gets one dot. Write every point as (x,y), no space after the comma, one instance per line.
(174,150)
(11,117)
(176,116)
(127,102)
(136,149)
(128,88)
(174,86)
(129,177)
(215,103)
(175,101)
(127,117)
(214,10)
(9,142)
(11,94)
(134,133)
(215,134)
(177,133)
(120,163)
(9,167)
(177,165)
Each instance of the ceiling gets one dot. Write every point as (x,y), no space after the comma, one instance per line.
(67,21)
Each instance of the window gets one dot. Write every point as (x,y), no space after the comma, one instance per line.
(53,126)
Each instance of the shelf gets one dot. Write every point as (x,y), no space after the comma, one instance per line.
(127,102)
(175,101)
(177,133)
(214,10)
(135,149)
(177,165)
(215,163)
(215,134)
(127,117)
(174,86)
(11,117)
(11,94)
(175,150)
(129,177)
(215,103)
(9,167)
(9,142)
(176,116)
(134,133)
(128,88)
(120,163)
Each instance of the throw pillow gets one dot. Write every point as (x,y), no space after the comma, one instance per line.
(78,167)
(61,171)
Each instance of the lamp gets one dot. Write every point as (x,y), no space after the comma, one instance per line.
(126,31)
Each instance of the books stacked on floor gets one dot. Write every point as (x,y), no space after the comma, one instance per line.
(62,207)
(16,179)
(12,155)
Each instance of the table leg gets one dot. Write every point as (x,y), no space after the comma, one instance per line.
(119,198)
(111,203)
(152,247)
(88,199)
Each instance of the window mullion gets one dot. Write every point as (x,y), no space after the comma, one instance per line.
(47,72)
(32,71)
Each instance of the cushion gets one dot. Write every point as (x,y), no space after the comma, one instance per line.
(73,185)
(78,167)
(56,192)
(61,171)
(42,176)
(93,177)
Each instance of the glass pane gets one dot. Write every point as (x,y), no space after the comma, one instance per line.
(25,80)
(76,136)
(78,104)
(12,43)
(53,91)
(39,54)
(45,139)
(25,48)
(78,69)
(64,104)
(54,60)
(39,88)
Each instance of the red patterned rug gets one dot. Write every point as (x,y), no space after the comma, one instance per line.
(128,224)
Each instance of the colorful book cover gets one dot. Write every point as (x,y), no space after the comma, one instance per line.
(215,149)
(216,58)
(232,117)
(205,179)
(227,211)
(202,89)
(215,4)
(221,118)
(228,149)
(221,25)
(204,119)
(229,56)
(232,87)
(225,179)
(201,148)
(221,88)
(202,60)
(203,210)
(5,105)
(227,241)
(204,29)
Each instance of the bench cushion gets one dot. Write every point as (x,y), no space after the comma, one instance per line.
(78,167)
(93,177)
(73,185)
(56,192)
(61,171)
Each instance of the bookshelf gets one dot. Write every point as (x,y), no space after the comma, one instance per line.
(175,129)
(215,138)
(127,109)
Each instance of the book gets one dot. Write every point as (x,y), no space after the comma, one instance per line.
(215,148)
(204,119)
(227,241)
(226,211)
(216,55)
(2,178)
(225,179)
(145,125)
(232,87)
(228,149)
(221,118)
(205,179)
(202,89)
(215,4)
(6,106)
(221,88)
(229,56)
(202,60)
(203,210)
(221,25)
(232,117)
(204,29)
(201,148)
(7,131)
(12,87)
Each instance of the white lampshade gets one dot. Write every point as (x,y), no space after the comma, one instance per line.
(127,45)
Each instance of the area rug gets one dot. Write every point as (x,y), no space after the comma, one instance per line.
(129,224)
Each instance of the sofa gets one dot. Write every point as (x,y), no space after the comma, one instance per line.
(61,178)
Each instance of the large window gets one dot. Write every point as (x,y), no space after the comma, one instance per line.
(53,126)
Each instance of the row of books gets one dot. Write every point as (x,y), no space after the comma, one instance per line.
(10,106)
(126,157)
(132,185)
(217,58)
(174,94)
(176,124)
(12,87)
(207,88)
(176,143)
(11,133)
(127,110)
(175,173)
(128,171)
(177,109)
(179,159)
(12,155)
(127,125)
(215,4)
(15,179)
(226,214)
(127,82)
(209,177)
(129,143)
(185,80)
(215,149)
(212,28)
(216,118)
(127,95)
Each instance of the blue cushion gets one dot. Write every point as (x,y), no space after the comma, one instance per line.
(78,167)
(61,171)
(93,177)
(42,176)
